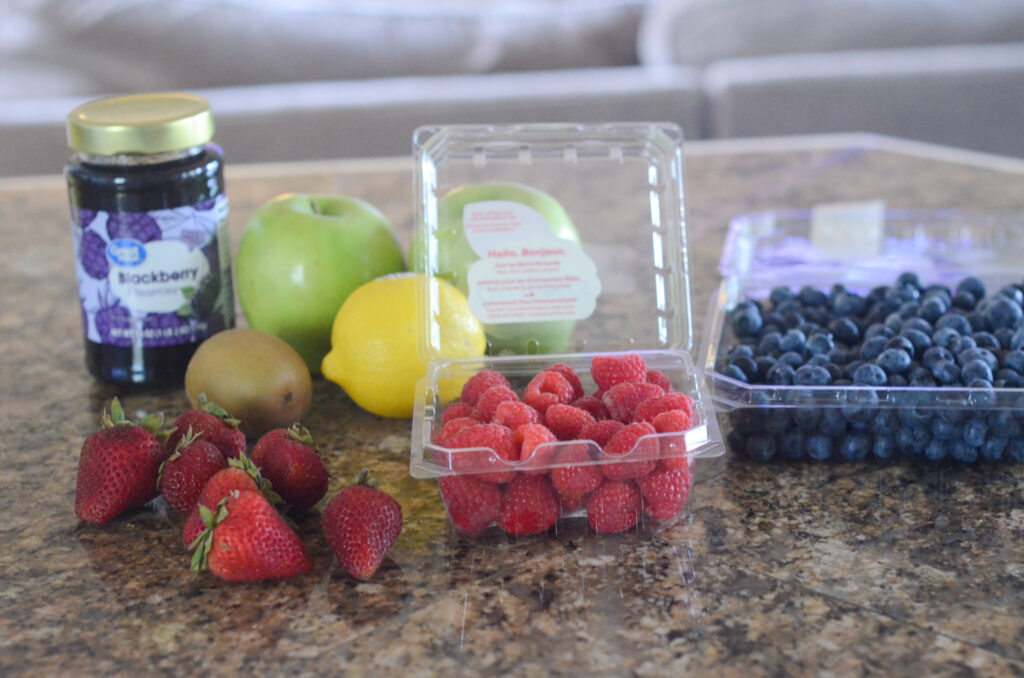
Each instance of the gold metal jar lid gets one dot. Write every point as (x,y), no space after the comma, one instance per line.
(140,123)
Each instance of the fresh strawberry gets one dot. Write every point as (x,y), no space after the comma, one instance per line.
(472,504)
(601,431)
(489,463)
(566,421)
(652,407)
(456,410)
(361,524)
(614,507)
(533,442)
(118,466)
(215,425)
(659,378)
(609,370)
(622,399)
(452,427)
(481,382)
(187,470)
(529,506)
(593,405)
(643,454)
(289,459)
(664,492)
(241,474)
(489,400)
(547,389)
(570,376)
(514,414)
(246,540)
(580,479)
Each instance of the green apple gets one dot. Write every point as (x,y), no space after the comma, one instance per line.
(299,259)
(453,256)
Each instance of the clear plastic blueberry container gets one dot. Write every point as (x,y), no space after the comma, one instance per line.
(864,248)
(569,242)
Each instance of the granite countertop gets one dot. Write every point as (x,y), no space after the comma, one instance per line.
(833,569)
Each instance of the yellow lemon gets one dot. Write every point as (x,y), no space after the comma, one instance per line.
(379,349)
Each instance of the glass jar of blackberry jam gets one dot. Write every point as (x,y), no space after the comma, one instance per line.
(149,229)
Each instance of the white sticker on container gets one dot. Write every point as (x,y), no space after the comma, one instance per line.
(849,230)
(155,277)
(535,280)
(491,223)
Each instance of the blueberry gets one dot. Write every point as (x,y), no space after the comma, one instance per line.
(933,308)
(768,342)
(792,445)
(792,320)
(982,394)
(884,447)
(974,431)
(913,440)
(986,340)
(964,300)
(937,450)
(944,337)
(792,359)
(781,374)
(741,350)
(778,422)
(955,321)
(962,344)
(872,348)
(1014,360)
(946,372)
(972,286)
(953,415)
(915,416)
(819,447)
(840,356)
(1015,450)
(817,315)
(869,374)
(908,312)
(992,448)
(909,279)
(736,441)
(962,452)
(834,371)
(878,329)
(793,340)
(897,380)
(975,369)
(764,364)
(736,373)
(1017,341)
(761,448)
(921,340)
(982,354)
(978,321)
(748,365)
(939,291)
(1015,294)
(900,342)
(847,304)
(809,296)
(746,319)
(833,423)
(812,375)
(1004,335)
(807,417)
(894,321)
(1006,423)
(860,405)
(851,367)
(943,429)
(855,447)
(788,306)
(1003,312)
(820,343)
(845,331)
(934,355)
(780,295)
(818,360)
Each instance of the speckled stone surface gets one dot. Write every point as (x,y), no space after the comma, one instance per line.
(778,570)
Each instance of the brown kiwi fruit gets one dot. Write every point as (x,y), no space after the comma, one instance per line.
(257,377)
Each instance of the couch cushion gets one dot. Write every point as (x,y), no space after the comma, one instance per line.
(700,32)
(189,44)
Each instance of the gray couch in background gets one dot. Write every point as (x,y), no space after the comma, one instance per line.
(310,79)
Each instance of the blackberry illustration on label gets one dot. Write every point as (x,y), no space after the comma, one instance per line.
(153,278)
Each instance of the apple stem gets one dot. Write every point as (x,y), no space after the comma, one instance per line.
(316,208)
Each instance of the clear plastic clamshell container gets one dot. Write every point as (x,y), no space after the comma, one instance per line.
(921,412)
(569,243)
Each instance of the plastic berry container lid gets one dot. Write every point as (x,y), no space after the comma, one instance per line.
(864,247)
(569,242)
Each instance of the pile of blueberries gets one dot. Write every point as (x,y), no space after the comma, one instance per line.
(954,358)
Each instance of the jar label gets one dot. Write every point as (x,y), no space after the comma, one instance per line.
(157,278)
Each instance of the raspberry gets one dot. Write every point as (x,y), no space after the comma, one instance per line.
(453,427)
(622,399)
(649,409)
(456,410)
(609,370)
(472,504)
(673,447)
(479,383)
(489,400)
(643,454)
(601,431)
(528,438)
(489,465)
(614,507)
(529,506)
(547,389)
(514,414)
(566,421)
(577,481)
(659,378)
(593,405)
(665,492)
(570,376)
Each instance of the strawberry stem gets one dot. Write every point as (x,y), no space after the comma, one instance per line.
(217,411)
(301,434)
